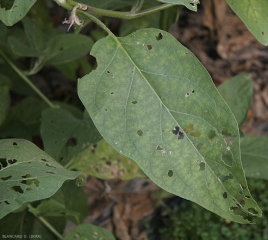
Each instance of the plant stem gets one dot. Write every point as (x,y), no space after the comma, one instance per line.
(46,223)
(27,80)
(134,13)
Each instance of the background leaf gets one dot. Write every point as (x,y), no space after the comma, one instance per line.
(17,11)
(102,161)
(190,4)
(4,97)
(64,135)
(255,16)
(254,154)
(88,231)
(237,92)
(67,47)
(69,201)
(161,108)
(27,174)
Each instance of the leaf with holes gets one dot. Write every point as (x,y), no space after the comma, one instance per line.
(64,135)
(154,102)
(254,154)
(27,174)
(190,4)
(12,13)
(255,16)
(88,231)
(237,92)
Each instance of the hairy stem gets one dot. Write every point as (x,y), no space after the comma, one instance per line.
(27,80)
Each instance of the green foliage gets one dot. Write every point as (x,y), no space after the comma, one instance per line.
(141,103)
(254,15)
(190,221)
(149,97)
(27,174)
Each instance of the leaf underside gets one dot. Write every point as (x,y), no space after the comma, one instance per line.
(27,174)
(190,4)
(154,102)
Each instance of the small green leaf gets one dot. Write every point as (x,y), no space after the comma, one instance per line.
(27,174)
(154,102)
(64,135)
(254,154)
(69,201)
(23,50)
(66,48)
(103,162)
(255,16)
(17,11)
(190,4)
(88,231)
(237,92)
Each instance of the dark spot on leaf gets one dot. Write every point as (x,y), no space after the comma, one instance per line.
(159,36)
(108,71)
(211,135)
(159,148)
(71,142)
(224,195)
(112,92)
(140,132)
(6,178)
(196,134)
(105,109)
(12,161)
(193,91)
(6,202)
(200,145)
(170,173)
(240,200)
(3,163)
(51,172)
(134,102)
(262,33)
(44,160)
(189,128)
(17,189)
(186,53)
(227,158)
(15,144)
(252,210)
(224,178)
(149,47)
(202,166)
(181,135)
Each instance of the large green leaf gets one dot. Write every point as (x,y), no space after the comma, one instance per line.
(27,174)
(190,4)
(18,10)
(103,162)
(88,231)
(254,154)
(237,92)
(64,135)
(154,102)
(255,15)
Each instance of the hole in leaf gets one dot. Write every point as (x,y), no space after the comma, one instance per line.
(211,135)
(227,158)
(134,102)
(159,148)
(200,145)
(227,132)
(149,47)
(12,161)
(196,134)
(44,160)
(17,189)
(189,128)
(6,178)
(105,109)
(159,36)
(208,184)
(202,166)
(170,173)
(193,91)
(112,92)
(108,72)
(181,135)
(3,163)
(176,130)
(224,178)
(240,200)
(15,144)
(140,132)
(6,202)
(224,195)
(253,211)
(51,172)
(71,142)
(187,94)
